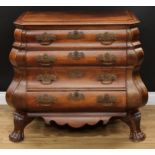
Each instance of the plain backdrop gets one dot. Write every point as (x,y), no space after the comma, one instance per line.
(147,28)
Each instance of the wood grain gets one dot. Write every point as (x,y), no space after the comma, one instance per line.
(76,87)
(78,18)
(62,58)
(112,136)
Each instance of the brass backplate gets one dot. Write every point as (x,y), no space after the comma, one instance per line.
(45,38)
(46,78)
(76,96)
(106,99)
(106,38)
(106,78)
(45,99)
(106,59)
(45,59)
(76,55)
(75,35)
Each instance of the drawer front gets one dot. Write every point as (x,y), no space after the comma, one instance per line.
(76,57)
(88,101)
(47,37)
(76,77)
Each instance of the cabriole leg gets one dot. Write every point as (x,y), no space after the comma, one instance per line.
(20,122)
(133,119)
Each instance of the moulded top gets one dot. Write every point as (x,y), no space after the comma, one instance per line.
(77,18)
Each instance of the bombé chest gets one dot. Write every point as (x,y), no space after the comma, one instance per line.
(75,63)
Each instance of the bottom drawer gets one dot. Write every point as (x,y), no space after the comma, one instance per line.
(76,101)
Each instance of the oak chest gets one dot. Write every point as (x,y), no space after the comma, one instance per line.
(76,68)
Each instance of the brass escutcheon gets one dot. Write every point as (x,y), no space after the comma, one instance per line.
(75,35)
(106,59)
(106,38)
(106,99)
(46,99)
(76,96)
(106,78)
(45,59)
(46,79)
(45,38)
(76,74)
(76,55)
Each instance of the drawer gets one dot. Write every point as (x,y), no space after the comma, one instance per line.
(47,37)
(76,57)
(76,77)
(76,100)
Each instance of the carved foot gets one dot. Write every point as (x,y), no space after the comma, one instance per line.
(137,136)
(20,122)
(133,121)
(16,136)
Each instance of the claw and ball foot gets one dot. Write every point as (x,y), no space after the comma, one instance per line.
(133,121)
(20,122)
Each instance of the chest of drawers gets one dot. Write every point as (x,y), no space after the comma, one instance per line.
(76,68)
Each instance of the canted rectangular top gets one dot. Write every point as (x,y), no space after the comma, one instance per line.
(77,18)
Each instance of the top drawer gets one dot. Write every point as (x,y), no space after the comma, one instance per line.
(71,38)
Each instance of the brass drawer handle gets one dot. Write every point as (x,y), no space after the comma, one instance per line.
(45,38)
(106,38)
(106,78)
(106,59)
(76,55)
(106,99)
(75,35)
(45,59)
(76,96)
(46,79)
(45,99)
(76,74)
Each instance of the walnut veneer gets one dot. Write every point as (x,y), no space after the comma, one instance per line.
(76,68)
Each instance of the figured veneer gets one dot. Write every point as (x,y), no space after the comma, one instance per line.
(76,77)
(80,57)
(77,68)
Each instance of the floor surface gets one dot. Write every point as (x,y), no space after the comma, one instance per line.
(114,135)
